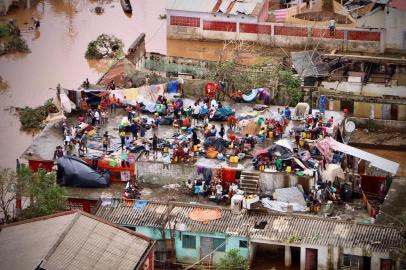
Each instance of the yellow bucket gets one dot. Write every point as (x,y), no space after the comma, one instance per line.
(288,169)
(301,143)
(321,137)
(270,134)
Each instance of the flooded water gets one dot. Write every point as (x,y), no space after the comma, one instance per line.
(396,156)
(57,56)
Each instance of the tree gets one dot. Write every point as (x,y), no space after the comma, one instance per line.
(287,86)
(233,261)
(8,187)
(46,197)
(104,46)
(236,75)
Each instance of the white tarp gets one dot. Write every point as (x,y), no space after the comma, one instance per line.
(290,195)
(282,206)
(376,161)
(285,143)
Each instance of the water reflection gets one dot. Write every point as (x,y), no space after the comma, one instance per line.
(57,54)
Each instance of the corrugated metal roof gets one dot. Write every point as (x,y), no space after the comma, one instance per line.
(70,241)
(188,5)
(309,64)
(233,7)
(279,227)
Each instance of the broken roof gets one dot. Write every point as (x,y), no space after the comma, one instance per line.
(247,7)
(278,228)
(309,64)
(70,240)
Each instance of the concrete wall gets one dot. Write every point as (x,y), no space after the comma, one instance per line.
(371,89)
(270,181)
(395,24)
(399,126)
(153,173)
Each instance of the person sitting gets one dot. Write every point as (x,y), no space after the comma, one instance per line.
(58,153)
(261,135)
(213,131)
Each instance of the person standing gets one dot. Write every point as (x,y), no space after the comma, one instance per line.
(332,26)
(105,141)
(122,139)
(97,117)
(36,23)
(113,103)
(155,146)
(222,130)
(134,130)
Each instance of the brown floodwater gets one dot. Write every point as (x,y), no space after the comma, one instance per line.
(57,54)
(396,156)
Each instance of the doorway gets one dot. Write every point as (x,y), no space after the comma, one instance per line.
(311,259)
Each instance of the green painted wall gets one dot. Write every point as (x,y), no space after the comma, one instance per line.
(188,255)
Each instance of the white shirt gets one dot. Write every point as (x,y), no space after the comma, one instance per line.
(97,115)
(214,103)
(332,22)
(196,109)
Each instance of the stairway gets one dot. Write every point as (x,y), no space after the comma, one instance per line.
(249,182)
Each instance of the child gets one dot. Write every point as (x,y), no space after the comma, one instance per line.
(147,149)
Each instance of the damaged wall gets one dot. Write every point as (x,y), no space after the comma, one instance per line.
(153,173)
(268,182)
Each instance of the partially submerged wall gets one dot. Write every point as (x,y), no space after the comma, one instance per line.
(393,125)
(278,34)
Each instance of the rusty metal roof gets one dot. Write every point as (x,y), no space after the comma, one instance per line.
(298,229)
(71,240)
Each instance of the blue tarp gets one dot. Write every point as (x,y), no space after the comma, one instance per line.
(223,113)
(172,87)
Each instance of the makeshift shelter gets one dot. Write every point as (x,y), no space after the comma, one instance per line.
(301,111)
(309,66)
(374,160)
(72,171)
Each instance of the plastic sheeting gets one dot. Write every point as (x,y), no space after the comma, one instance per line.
(331,172)
(72,171)
(251,96)
(375,161)
(290,195)
(282,206)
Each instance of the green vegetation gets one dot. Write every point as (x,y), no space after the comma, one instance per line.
(288,88)
(8,188)
(11,40)
(34,117)
(46,197)
(105,46)
(233,261)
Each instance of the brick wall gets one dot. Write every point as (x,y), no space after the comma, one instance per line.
(255,28)
(364,36)
(325,33)
(219,26)
(185,21)
(290,31)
